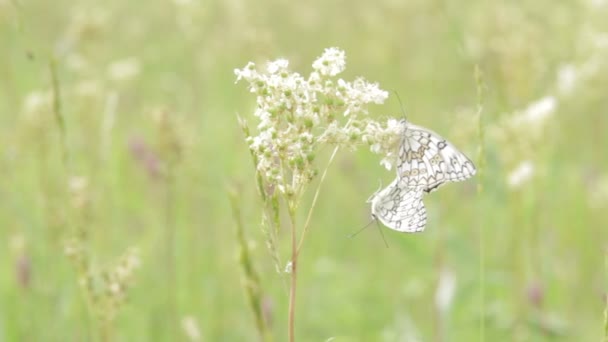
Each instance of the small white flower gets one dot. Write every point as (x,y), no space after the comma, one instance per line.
(124,70)
(247,73)
(387,163)
(532,119)
(88,88)
(598,192)
(78,184)
(191,328)
(289,267)
(37,101)
(567,77)
(278,65)
(446,288)
(375,148)
(540,110)
(331,63)
(115,288)
(521,174)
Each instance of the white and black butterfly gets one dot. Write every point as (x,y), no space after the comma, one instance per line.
(426,160)
(399,207)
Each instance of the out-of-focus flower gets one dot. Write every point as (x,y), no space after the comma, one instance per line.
(289,267)
(536,113)
(521,174)
(535,294)
(78,187)
(191,328)
(331,63)
(446,288)
(598,192)
(124,70)
(145,156)
(37,102)
(567,77)
(88,89)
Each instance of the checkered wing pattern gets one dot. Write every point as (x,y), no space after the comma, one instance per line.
(399,208)
(426,160)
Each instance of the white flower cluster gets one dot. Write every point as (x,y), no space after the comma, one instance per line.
(515,134)
(298,114)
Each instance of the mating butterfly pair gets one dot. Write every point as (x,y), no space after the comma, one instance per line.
(425,162)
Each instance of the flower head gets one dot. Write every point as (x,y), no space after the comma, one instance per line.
(331,63)
(298,114)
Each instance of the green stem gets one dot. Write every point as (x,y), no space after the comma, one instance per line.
(606,305)
(314,199)
(480,177)
(170,249)
(251,282)
(57,109)
(294,274)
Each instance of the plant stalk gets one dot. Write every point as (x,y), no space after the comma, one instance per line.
(294,274)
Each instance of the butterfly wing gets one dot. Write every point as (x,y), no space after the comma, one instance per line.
(426,160)
(400,208)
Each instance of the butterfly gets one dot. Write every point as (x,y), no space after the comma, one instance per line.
(399,207)
(426,160)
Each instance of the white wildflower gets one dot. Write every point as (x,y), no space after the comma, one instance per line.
(124,70)
(88,88)
(191,328)
(520,174)
(37,101)
(387,163)
(78,184)
(296,114)
(247,73)
(278,65)
(516,133)
(331,63)
(598,4)
(598,192)
(444,295)
(539,111)
(115,288)
(289,267)
(384,139)
(567,77)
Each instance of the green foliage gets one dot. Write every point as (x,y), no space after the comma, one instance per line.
(139,104)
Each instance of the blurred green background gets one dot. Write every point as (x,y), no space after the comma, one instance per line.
(145,145)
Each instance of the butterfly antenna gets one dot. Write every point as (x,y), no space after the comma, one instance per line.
(382,234)
(400,104)
(360,230)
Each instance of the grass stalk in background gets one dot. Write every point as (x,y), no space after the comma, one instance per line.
(170,151)
(170,247)
(606,298)
(481,161)
(57,110)
(251,280)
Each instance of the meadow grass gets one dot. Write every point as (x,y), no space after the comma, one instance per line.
(119,144)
